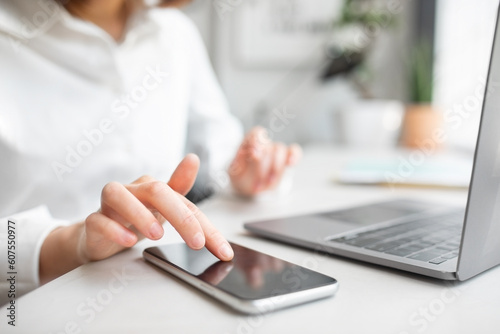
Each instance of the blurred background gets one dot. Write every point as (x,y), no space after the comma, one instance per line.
(348,71)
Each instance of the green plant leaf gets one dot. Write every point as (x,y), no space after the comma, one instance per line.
(421,76)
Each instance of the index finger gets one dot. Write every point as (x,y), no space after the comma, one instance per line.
(215,242)
(294,154)
(169,204)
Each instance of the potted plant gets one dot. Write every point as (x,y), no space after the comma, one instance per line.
(355,31)
(421,118)
(366,121)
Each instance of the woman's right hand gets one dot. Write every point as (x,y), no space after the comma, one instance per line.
(129,213)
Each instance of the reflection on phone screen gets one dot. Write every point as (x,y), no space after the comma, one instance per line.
(250,275)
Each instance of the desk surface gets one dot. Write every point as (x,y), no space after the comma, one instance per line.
(125,295)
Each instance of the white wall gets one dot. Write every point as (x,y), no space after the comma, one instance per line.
(463,44)
(255,92)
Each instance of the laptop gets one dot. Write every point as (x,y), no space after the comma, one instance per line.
(443,242)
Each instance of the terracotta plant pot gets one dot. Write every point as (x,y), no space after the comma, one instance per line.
(422,127)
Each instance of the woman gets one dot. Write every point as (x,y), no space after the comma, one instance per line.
(96,91)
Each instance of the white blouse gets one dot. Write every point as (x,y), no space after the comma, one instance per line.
(78,110)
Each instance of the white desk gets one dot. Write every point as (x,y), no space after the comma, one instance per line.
(125,295)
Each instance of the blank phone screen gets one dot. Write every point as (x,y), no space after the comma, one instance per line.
(250,275)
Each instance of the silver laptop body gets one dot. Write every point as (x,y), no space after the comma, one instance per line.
(353,232)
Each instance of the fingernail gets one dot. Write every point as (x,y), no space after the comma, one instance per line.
(156,231)
(198,241)
(226,251)
(128,238)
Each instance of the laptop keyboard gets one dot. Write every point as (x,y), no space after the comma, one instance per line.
(431,239)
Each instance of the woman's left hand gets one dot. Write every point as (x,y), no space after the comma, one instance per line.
(260,163)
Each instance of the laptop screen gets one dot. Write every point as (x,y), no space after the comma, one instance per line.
(481,237)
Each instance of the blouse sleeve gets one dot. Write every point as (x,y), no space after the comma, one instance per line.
(21,238)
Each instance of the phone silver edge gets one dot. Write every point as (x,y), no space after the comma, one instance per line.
(256,306)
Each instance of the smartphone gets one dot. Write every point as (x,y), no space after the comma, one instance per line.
(251,283)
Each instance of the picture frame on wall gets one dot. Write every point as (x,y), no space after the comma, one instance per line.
(282,33)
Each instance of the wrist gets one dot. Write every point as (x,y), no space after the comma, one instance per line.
(61,252)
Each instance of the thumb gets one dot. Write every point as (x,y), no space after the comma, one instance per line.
(182,180)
